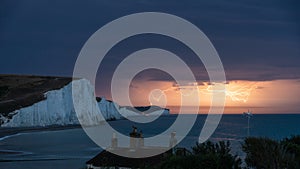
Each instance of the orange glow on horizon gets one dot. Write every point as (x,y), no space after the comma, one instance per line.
(279,96)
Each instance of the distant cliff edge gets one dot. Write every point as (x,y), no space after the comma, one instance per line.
(29,101)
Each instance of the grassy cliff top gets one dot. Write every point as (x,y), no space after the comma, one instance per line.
(17,91)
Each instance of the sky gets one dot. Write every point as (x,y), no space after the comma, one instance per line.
(257,41)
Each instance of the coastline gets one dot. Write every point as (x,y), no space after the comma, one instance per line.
(69,144)
(16,130)
(6,131)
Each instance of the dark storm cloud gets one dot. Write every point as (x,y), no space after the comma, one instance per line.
(256,40)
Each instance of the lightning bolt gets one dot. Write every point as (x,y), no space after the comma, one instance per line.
(240,94)
(235,91)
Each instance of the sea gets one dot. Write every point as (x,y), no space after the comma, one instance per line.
(71,148)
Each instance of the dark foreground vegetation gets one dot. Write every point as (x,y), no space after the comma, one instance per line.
(203,156)
(265,153)
(260,153)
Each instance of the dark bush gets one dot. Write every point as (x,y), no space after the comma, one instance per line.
(292,144)
(265,153)
(204,156)
(216,155)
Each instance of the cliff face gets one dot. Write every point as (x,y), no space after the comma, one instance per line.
(57,108)
(18,91)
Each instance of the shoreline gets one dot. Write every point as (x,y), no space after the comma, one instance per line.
(16,130)
(6,131)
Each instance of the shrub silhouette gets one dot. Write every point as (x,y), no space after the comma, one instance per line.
(204,156)
(265,153)
(293,146)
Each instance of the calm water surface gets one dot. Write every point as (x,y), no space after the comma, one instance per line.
(71,148)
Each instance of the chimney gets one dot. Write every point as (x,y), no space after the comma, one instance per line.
(114,141)
(141,139)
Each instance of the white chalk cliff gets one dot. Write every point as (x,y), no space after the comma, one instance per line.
(58,108)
